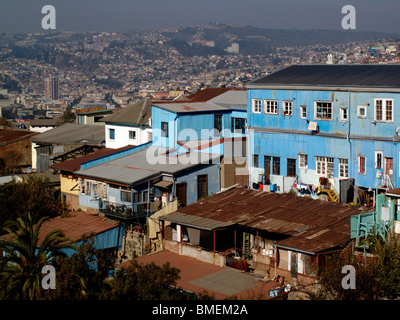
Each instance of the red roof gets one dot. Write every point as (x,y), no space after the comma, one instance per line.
(209,93)
(75,164)
(9,135)
(74,227)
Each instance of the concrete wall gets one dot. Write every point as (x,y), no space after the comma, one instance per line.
(194,252)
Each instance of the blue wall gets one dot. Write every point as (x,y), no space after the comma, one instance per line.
(343,139)
(198,123)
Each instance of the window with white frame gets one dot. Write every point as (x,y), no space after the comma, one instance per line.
(324,166)
(257,105)
(362,112)
(362,165)
(303,161)
(323,110)
(287,108)
(384,110)
(343,114)
(303,112)
(378,159)
(271,106)
(343,168)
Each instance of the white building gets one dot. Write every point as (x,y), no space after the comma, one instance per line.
(129,126)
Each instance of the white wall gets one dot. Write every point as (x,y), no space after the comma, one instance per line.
(122,136)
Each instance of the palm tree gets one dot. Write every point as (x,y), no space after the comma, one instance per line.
(21,266)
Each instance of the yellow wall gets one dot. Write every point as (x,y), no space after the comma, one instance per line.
(175,93)
(68,183)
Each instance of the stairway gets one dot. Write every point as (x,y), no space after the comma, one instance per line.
(332,195)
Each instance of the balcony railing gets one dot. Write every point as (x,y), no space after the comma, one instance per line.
(126,212)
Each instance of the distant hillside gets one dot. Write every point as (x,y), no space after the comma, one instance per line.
(254,40)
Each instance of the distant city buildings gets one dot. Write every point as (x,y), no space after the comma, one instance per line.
(51,87)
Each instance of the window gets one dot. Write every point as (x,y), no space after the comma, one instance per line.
(362,112)
(288,108)
(132,135)
(217,124)
(324,166)
(276,165)
(126,196)
(257,105)
(343,168)
(303,112)
(303,161)
(83,184)
(202,186)
(323,110)
(137,197)
(271,106)
(164,129)
(238,125)
(111,134)
(343,114)
(384,110)
(378,159)
(291,167)
(362,165)
(255,160)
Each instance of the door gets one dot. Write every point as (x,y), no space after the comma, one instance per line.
(293,265)
(267,170)
(181,193)
(202,186)
(389,166)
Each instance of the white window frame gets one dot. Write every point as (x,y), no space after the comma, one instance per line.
(326,165)
(316,107)
(287,108)
(343,168)
(271,106)
(254,102)
(303,161)
(359,165)
(342,113)
(376,159)
(384,110)
(359,115)
(303,109)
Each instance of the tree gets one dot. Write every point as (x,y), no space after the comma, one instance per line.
(80,276)
(33,195)
(26,255)
(146,282)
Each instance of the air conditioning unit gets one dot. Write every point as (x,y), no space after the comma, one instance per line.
(313,126)
(397,133)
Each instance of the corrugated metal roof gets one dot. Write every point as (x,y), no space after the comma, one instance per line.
(186,107)
(233,99)
(79,224)
(71,133)
(136,167)
(75,164)
(11,135)
(315,224)
(138,113)
(336,75)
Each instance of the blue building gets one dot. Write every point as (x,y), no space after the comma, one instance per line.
(205,124)
(330,124)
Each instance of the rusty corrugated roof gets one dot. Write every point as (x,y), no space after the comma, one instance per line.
(311,225)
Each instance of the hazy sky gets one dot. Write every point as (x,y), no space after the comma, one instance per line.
(22,16)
